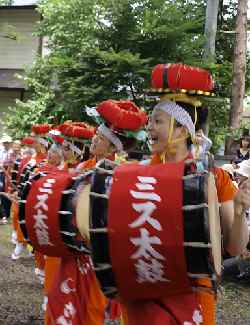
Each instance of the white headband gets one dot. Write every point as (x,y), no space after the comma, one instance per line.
(57,148)
(103,129)
(55,132)
(73,147)
(42,141)
(178,113)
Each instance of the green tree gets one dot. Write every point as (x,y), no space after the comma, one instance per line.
(106,50)
(103,49)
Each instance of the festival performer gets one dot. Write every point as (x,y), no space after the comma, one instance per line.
(53,163)
(111,139)
(89,303)
(7,158)
(40,144)
(77,137)
(19,164)
(64,154)
(171,130)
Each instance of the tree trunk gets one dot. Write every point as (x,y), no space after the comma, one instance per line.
(239,69)
(211,29)
(212,10)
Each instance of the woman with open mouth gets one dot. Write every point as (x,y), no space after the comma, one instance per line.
(172,126)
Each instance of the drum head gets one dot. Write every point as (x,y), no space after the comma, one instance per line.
(214,224)
(82,211)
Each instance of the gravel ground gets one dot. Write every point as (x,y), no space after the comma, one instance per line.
(21,293)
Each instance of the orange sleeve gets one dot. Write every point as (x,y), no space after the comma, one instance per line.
(225,187)
(88,164)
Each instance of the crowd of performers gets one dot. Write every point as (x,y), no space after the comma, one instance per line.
(55,181)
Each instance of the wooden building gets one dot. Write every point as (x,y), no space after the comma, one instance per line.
(18,49)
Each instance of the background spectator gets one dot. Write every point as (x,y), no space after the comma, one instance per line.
(243,152)
(7,158)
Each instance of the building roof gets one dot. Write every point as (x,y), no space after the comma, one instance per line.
(9,80)
(18,7)
(21,4)
(24,2)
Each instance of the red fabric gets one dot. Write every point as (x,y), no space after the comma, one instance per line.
(49,168)
(57,138)
(75,287)
(16,225)
(88,164)
(122,114)
(22,165)
(114,310)
(41,128)
(180,76)
(172,278)
(40,157)
(78,130)
(206,300)
(7,180)
(39,260)
(65,301)
(177,310)
(84,133)
(28,141)
(42,219)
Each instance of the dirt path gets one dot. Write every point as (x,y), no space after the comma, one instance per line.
(20,290)
(21,293)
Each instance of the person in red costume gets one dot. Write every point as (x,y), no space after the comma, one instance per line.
(171,130)
(119,130)
(27,152)
(89,304)
(27,164)
(64,154)
(77,136)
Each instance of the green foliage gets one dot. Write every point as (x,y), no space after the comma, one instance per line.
(6,2)
(25,114)
(218,121)
(102,49)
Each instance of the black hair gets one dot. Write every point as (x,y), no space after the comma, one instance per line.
(202,114)
(80,145)
(135,155)
(86,154)
(246,139)
(128,143)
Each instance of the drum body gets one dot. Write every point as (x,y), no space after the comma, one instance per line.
(2,181)
(14,173)
(196,229)
(47,214)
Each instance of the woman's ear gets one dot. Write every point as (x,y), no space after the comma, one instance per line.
(180,132)
(43,150)
(112,149)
